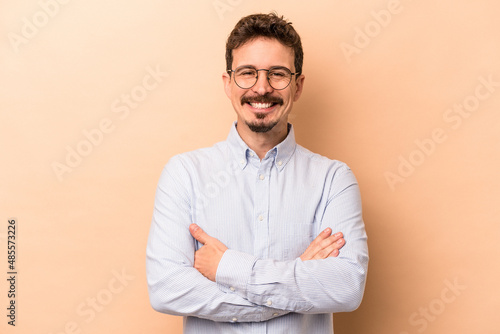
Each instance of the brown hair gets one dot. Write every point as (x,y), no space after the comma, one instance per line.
(264,25)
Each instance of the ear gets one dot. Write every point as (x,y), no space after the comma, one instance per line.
(226,79)
(299,85)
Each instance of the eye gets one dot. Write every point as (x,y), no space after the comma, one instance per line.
(246,72)
(278,74)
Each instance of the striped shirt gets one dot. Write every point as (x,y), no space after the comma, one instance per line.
(266,212)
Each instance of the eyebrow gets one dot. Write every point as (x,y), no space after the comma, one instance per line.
(251,66)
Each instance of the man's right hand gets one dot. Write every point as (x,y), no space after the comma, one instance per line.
(325,245)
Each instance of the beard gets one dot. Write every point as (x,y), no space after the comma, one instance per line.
(260,125)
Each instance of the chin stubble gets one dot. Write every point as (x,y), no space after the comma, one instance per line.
(261,127)
(257,126)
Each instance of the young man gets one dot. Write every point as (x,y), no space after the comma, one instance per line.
(241,239)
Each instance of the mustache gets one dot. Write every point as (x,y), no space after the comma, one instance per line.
(262,99)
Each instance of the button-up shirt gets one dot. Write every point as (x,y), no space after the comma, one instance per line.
(266,212)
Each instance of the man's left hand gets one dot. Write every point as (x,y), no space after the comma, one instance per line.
(207,258)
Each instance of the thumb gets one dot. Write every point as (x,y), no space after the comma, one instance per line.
(198,233)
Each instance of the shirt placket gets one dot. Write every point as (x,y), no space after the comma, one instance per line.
(261,209)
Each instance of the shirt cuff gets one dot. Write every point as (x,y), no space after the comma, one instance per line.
(233,272)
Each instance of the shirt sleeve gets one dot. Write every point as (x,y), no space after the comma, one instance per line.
(334,284)
(174,286)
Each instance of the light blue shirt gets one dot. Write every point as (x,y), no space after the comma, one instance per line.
(266,212)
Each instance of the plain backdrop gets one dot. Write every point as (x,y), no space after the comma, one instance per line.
(96,96)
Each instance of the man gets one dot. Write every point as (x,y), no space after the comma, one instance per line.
(231,243)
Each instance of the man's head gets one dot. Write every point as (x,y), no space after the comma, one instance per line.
(265,25)
(270,48)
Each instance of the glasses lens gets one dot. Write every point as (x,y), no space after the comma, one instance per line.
(279,77)
(245,77)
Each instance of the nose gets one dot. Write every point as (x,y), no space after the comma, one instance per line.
(262,86)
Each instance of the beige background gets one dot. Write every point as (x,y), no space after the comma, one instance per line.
(369,98)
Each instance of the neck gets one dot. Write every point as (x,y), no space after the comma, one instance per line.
(262,142)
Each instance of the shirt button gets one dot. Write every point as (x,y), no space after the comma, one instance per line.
(269,302)
(261,218)
(280,163)
(234,319)
(242,161)
(275,314)
(262,177)
(251,154)
(232,288)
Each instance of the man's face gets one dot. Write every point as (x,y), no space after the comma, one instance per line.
(262,108)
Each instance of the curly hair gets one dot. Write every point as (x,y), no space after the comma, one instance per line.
(265,25)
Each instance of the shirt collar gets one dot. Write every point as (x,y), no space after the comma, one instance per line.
(241,151)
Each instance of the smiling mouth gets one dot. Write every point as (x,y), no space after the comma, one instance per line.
(262,102)
(262,105)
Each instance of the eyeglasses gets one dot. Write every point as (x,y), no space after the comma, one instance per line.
(246,76)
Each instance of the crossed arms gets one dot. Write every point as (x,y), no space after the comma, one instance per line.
(215,282)
(207,258)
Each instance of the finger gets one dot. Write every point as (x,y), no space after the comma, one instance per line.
(198,233)
(333,239)
(324,240)
(315,246)
(335,253)
(322,236)
(331,250)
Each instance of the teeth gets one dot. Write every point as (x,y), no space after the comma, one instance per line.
(261,105)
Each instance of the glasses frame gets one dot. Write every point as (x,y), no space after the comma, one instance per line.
(267,75)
